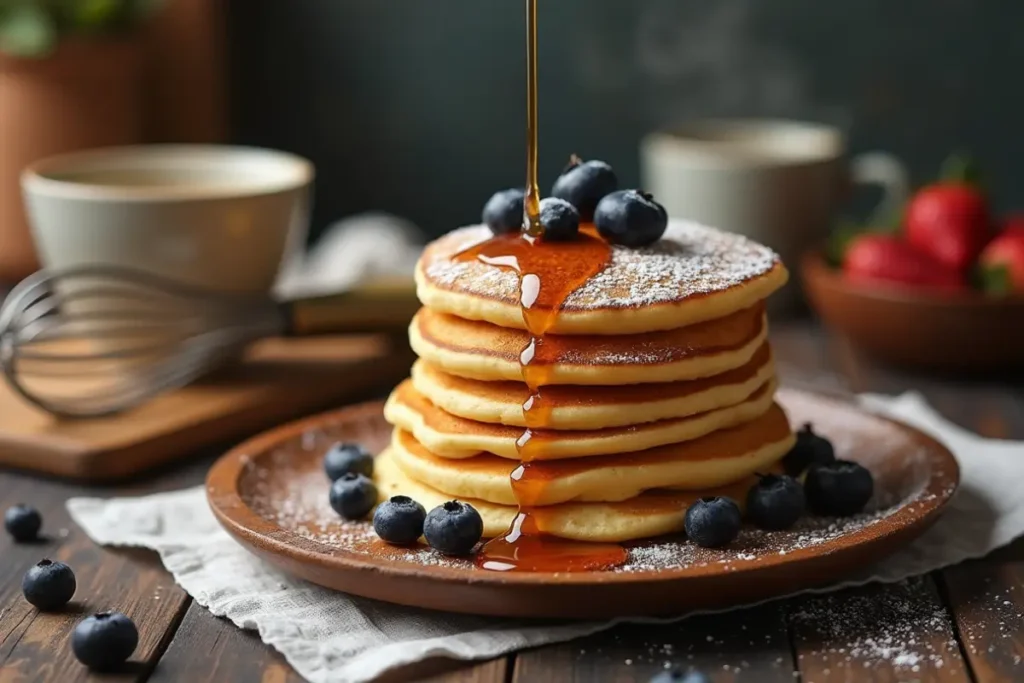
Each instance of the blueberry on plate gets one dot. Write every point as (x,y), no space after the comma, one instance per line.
(453,528)
(104,641)
(560,220)
(344,457)
(775,502)
(713,522)
(631,218)
(48,585)
(585,183)
(399,520)
(503,212)
(810,448)
(23,522)
(353,495)
(677,676)
(838,489)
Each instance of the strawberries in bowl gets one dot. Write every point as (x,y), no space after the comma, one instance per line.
(888,258)
(947,240)
(942,289)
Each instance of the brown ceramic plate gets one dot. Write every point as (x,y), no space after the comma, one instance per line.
(958,331)
(271,495)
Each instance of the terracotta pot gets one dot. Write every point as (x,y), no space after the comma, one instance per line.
(87,94)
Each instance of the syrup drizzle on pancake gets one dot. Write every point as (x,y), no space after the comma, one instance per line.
(548,273)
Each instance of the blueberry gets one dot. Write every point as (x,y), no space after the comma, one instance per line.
(48,585)
(353,495)
(810,448)
(23,522)
(631,218)
(399,520)
(838,489)
(775,502)
(453,528)
(713,522)
(104,641)
(583,184)
(344,457)
(677,676)
(560,219)
(503,212)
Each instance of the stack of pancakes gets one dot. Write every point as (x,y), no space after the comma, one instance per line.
(659,388)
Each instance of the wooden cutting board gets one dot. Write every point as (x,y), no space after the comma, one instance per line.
(278,380)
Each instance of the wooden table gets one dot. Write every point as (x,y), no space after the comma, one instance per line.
(961,624)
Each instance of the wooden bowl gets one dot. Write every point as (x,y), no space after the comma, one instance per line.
(959,331)
(271,495)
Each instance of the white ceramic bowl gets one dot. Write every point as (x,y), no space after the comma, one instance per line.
(216,216)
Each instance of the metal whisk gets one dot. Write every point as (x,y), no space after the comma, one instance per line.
(94,341)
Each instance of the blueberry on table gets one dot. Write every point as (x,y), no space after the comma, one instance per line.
(344,457)
(503,212)
(810,448)
(23,522)
(677,676)
(48,585)
(631,218)
(560,220)
(838,489)
(104,641)
(399,520)
(353,495)
(713,522)
(453,528)
(775,502)
(585,183)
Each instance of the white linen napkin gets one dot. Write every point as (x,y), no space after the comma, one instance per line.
(331,637)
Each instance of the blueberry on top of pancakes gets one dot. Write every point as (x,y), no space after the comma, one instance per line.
(631,218)
(583,184)
(503,212)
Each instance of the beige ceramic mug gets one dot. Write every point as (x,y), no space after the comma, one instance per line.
(777,182)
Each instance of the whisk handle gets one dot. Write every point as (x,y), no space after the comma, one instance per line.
(375,307)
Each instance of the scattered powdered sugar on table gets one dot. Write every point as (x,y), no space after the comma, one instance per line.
(689,259)
(904,625)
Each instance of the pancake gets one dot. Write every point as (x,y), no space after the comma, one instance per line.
(592,407)
(713,460)
(693,274)
(449,436)
(653,513)
(480,350)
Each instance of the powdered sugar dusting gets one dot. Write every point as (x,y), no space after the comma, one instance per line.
(690,260)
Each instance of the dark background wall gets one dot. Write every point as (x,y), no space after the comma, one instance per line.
(417,106)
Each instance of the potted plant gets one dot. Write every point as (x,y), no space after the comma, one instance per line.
(70,78)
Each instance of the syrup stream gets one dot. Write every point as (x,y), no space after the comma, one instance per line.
(548,274)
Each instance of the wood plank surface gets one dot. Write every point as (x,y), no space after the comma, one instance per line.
(970,617)
(749,645)
(35,646)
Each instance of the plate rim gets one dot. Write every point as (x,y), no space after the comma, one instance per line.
(258,533)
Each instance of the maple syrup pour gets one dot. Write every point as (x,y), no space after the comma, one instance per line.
(531,203)
(548,274)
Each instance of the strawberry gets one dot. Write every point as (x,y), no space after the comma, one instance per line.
(1001,264)
(873,258)
(949,221)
